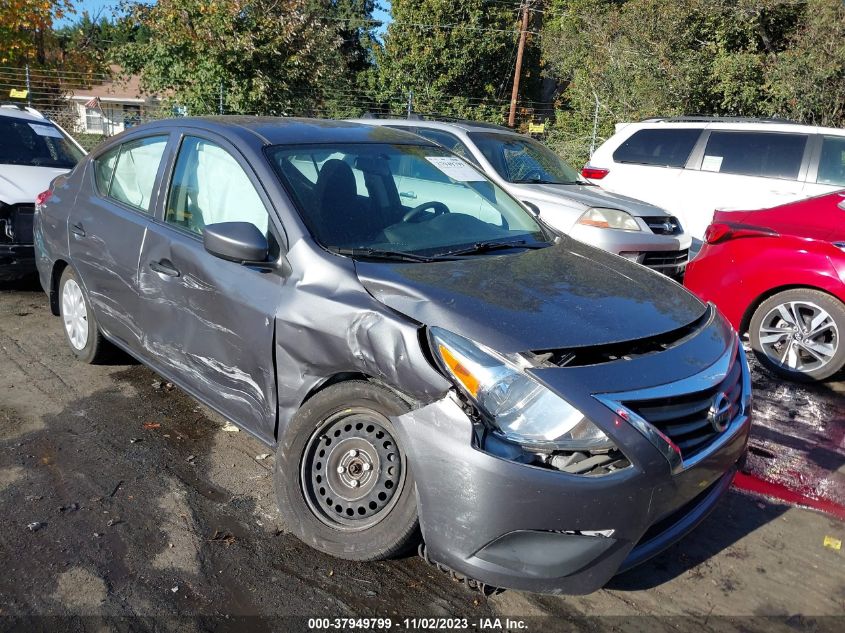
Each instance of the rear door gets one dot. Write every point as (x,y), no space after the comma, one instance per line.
(209,323)
(106,229)
(743,170)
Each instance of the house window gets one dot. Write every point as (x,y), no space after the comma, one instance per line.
(93,120)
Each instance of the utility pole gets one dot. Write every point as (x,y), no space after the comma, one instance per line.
(410,103)
(519,51)
(220,100)
(28,88)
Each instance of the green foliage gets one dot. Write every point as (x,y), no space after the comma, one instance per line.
(464,69)
(644,58)
(269,56)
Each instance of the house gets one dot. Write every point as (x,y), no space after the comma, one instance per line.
(112,106)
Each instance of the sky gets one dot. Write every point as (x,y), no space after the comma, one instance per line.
(104,8)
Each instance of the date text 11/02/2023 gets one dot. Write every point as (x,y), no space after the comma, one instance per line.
(431,624)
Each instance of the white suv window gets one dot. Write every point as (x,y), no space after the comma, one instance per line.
(668,147)
(832,161)
(768,154)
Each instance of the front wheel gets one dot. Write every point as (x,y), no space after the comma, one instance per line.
(342,477)
(798,334)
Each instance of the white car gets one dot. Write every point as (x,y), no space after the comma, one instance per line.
(33,151)
(532,173)
(692,166)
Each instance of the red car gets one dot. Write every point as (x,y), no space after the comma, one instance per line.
(779,275)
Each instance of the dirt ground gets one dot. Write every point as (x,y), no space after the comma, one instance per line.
(127,506)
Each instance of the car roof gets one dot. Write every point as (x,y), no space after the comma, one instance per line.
(731,123)
(15,111)
(466,126)
(290,131)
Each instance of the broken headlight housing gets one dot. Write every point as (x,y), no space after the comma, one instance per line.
(514,404)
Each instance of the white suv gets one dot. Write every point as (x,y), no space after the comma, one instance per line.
(692,166)
(33,151)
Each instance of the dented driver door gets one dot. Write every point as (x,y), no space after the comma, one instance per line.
(209,323)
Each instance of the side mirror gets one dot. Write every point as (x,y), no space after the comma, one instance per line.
(236,242)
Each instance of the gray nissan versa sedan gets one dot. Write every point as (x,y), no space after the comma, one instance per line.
(546,413)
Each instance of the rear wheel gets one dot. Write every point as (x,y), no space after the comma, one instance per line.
(80,326)
(798,334)
(342,477)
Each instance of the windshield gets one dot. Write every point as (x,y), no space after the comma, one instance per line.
(520,159)
(35,144)
(411,200)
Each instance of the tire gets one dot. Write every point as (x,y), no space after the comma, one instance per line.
(78,322)
(785,320)
(353,416)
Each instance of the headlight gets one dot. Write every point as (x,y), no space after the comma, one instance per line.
(609,219)
(512,402)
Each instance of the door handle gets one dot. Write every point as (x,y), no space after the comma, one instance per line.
(408,194)
(165,267)
(77,229)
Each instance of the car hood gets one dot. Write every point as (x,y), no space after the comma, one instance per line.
(590,196)
(565,296)
(21,183)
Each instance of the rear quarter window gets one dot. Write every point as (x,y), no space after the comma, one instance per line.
(767,154)
(663,148)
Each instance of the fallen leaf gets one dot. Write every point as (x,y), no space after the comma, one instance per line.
(151,425)
(262,457)
(832,543)
(230,428)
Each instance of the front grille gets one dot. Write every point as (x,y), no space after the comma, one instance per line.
(666,259)
(687,419)
(663,225)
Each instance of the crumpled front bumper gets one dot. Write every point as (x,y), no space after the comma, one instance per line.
(527,527)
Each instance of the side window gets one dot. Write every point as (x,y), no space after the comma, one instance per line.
(209,186)
(755,154)
(832,161)
(664,148)
(135,173)
(104,168)
(449,141)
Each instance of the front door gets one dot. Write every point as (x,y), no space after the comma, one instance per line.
(106,230)
(210,322)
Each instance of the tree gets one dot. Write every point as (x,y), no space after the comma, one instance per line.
(267,57)
(457,56)
(643,58)
(24,27)
(807,81)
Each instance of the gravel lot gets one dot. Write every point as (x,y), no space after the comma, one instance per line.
(146,511)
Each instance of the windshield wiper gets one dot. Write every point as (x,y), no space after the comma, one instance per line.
(538,181)
(376,253)
(484,247)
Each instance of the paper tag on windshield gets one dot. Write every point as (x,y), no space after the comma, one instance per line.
(456,168)
(711,163)
(45,130)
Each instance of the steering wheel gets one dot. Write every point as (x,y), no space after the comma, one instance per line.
(438,207)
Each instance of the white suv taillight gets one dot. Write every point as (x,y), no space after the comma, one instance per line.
(594,173)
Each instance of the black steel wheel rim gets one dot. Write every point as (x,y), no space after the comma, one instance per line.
(352,471)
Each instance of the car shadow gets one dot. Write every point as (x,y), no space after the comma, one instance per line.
(737,515)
